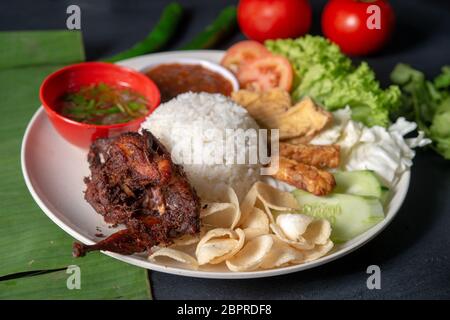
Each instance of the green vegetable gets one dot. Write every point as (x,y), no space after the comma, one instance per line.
(384,195)
(349,215)
(213,33)
(427,103)
(359,183)
(440,128)
(323,72)
(442,81)
(162,32)
(95,103)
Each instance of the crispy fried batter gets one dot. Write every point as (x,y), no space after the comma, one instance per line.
(306,177)
(318,156)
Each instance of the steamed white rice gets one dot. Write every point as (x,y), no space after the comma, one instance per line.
(199,121)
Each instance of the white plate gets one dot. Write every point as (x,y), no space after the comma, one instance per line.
(54,169)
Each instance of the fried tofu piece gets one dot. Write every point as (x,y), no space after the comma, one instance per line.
(299,140)
(305,177)
(318,156)
(273,110)
(265,107)
(304,119)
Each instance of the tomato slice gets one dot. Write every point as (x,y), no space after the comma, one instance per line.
(243,52)
(266,73)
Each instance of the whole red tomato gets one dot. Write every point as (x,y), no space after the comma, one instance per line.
(271,19)
(359,27)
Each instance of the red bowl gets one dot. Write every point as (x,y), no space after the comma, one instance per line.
(70,78)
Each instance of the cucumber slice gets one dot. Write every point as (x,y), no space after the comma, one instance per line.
(349,215)
(360,183)
(384,195)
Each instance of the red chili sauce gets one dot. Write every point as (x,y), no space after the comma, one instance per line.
(174,79)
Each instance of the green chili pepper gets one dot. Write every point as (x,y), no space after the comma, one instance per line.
(224,24)
(158,37)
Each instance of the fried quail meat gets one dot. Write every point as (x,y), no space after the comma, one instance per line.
(134,183)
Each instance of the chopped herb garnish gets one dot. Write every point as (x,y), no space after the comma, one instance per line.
(103,104)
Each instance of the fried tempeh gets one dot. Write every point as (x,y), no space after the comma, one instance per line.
(318,156)
(305,177)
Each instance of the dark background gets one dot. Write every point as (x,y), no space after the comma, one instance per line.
(413,252)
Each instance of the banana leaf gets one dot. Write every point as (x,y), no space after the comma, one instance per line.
(29,241)
(100,277)
(32,48)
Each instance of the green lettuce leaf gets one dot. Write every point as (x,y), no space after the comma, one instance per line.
(323,72)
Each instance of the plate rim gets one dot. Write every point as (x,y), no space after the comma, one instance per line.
(365,237)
